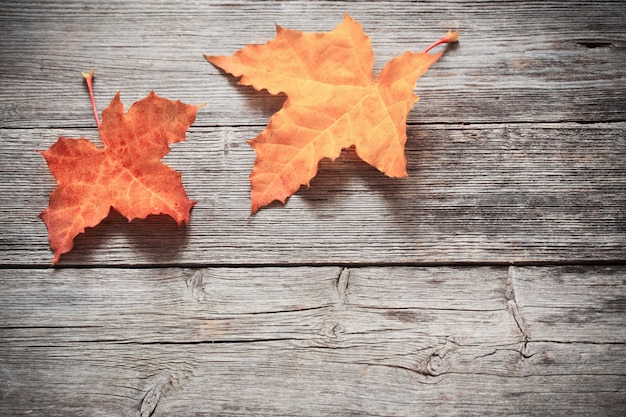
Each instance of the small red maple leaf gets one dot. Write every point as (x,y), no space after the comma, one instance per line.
(126,175)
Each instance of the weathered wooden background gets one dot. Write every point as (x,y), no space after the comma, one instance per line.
(490,282)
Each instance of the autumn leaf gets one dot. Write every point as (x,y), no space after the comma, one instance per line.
(126,175)
(333,103)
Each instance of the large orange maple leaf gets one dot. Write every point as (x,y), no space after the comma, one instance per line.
(333,103)
(126,175)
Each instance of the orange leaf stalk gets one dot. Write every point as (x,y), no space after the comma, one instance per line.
(89,79)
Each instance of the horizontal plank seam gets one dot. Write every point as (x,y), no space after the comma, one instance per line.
(68,343)
(477,264)
(165,343)
(486,124)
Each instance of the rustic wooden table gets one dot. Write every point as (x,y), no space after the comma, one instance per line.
(490,282)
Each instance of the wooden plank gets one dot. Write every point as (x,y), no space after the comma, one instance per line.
(516,193)
(310,341)
(557,302)
(517,61)
(501,171)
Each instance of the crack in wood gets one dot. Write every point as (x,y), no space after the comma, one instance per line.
(216,342)
(150,402)
(195,285)
(595,44)
(342,282)
(513,309)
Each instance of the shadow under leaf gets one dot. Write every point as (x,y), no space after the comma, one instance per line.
(156,239)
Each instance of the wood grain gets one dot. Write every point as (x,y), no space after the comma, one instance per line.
(513,193)
(517,61)
(489,282)
(310,341)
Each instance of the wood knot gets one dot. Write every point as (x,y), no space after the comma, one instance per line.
(334,330)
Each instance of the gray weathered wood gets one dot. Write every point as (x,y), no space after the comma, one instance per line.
(314,341)
(517,61)
(514,193)
(353,299)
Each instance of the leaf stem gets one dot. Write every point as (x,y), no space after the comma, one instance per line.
(451,37)
(89,79)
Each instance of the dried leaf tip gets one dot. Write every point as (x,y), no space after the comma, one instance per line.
(451,37)
(87,75)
